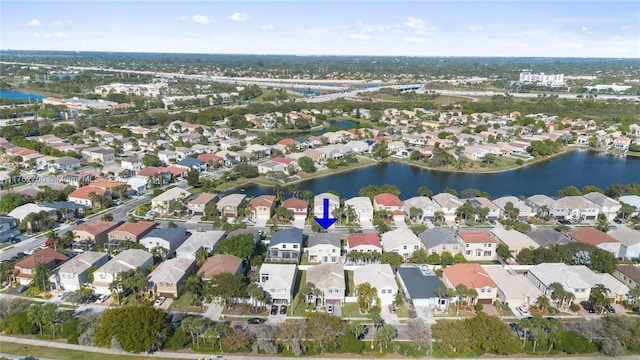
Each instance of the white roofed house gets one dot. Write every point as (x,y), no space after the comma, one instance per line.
(324,247)
(482,202)
(575,208)
(165,202)
(545,274)
(448,205)
(363,207)
(125,261)
(439,240)
(380,277)
(278,280)
(513,289)
(515,240)
(330,280)
(169,276)
(403,241)
(169,239)
(318,204)
(229,205)
(607,206)
(541,204)
(629,242)
(524,210)
(425,204)
(73,274)
(199,240)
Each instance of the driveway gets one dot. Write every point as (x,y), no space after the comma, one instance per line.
(260,223)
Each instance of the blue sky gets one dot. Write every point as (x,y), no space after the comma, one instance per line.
(413,28)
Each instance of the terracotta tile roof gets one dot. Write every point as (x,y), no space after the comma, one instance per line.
(476,237)
(282,160)
(387,199)
(285,142)
(151,170)
(204,199)
(97,227)
(46,256)
(219,264)
(83,192)
(209,157)
(136,228)
(263,200)
(470,275)
(177,170)
(295,203)
(592,236)
(372,239)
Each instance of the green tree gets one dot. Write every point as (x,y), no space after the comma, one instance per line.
(384,335)
(366,294)
(247,170)
(11,201)
(41,277)
(425,191)
(603,261)
(307,164)
(324,328)
(392,258)
(569,191)
(241,246)
(137,328)
(193,177)
(503,251)
(151,160)
(419,257)
(226,287)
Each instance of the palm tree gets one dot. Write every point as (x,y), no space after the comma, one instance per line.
(634,294)
(194,285)
(465,211)
(471,295)
(543,303)
(366,294)
(107,217)
(599,295)
(438,217)
(461,293)
(41,276)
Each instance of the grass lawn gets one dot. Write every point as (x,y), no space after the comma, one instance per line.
(183,303)
(298,305)
(64,354)
(351,310)
(402,311)
(351,288)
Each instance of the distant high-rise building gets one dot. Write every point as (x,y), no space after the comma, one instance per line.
(555,80)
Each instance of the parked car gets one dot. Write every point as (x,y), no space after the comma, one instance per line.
(62,294)
(283,309)
(610,309)
(102,298)
(256,321)
(587,306)
(21,255)
(523,311)
(330,309)
(14,240)
(159,301)
(22,288)
(274,310)
(363,334)
(392,309)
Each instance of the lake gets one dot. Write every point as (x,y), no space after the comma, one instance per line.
(20,95)
(578,168)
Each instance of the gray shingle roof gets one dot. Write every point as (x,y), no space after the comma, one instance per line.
(287,236)
(546,237)
(324,238)
(418,285)
(438,236)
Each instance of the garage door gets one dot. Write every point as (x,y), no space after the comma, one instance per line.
(485,301)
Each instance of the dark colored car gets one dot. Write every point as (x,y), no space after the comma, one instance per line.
(255,321)
(283,309)
(610,309)
(21,255)
(274,310)
(22,288)
(587,306)
(14,240)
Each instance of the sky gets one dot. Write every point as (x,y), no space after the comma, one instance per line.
(390,28)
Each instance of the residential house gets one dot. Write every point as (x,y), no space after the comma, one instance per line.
(262,207)
(126,260)
(318,204)
(67,210)
(545,274)
(199,241)
(515,240)
(167,156)
(279,281)
(575,208)
(403,241)
(169,239)
(190,163)
(63,164)
(448,204)
(628,275)
(389,202)
(324,247)
(633,200)
(524,210)
(420,285)
(546,237)
(271,166)
(478,246)
(22,212)
(83,196)
(197,205)
(606,205)
(132,163)
(513,289)
(90,235)
(165,202)
(8,228)
(618,291)
(364,242)
(330,280)
(128,231)
(629,242)
(285,245)
(24,270)
(102,155)
(473,276)
(221,263)
(73,274)
(438,240)
(380,277)
(597,238)
(229,205)
(169,276)
(482,202)
(427,207)
(363,208)
(541,204)
(298,207)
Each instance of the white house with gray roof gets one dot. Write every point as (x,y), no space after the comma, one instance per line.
(362,206)
(515,240)
(575,208)
(324,248)
(73,274)
(546,237)
(278,280)
(525,210)
(285,245)
(545,274)
(482,202)
(126,260)
(428,206)
(330,280)
(629,242)
(633,200)
(199,240)
(540,204)
(402,241)
(607,206)
(448,205)
(439,239)
(513,289)
(380,277)
(169,239)
(420,284)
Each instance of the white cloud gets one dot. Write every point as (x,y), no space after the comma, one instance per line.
(59,23)
(414,39)
(34,23)
(586,30)
(238,17)
(183,18)
(475,28)
(36,35)
(625,27)
(267,27)
(418,26)
(201,19)
(359,37)
(57,35)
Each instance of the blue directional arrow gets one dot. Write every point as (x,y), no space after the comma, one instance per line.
(325,221)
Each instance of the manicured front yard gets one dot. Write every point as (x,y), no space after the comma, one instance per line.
(183,303)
